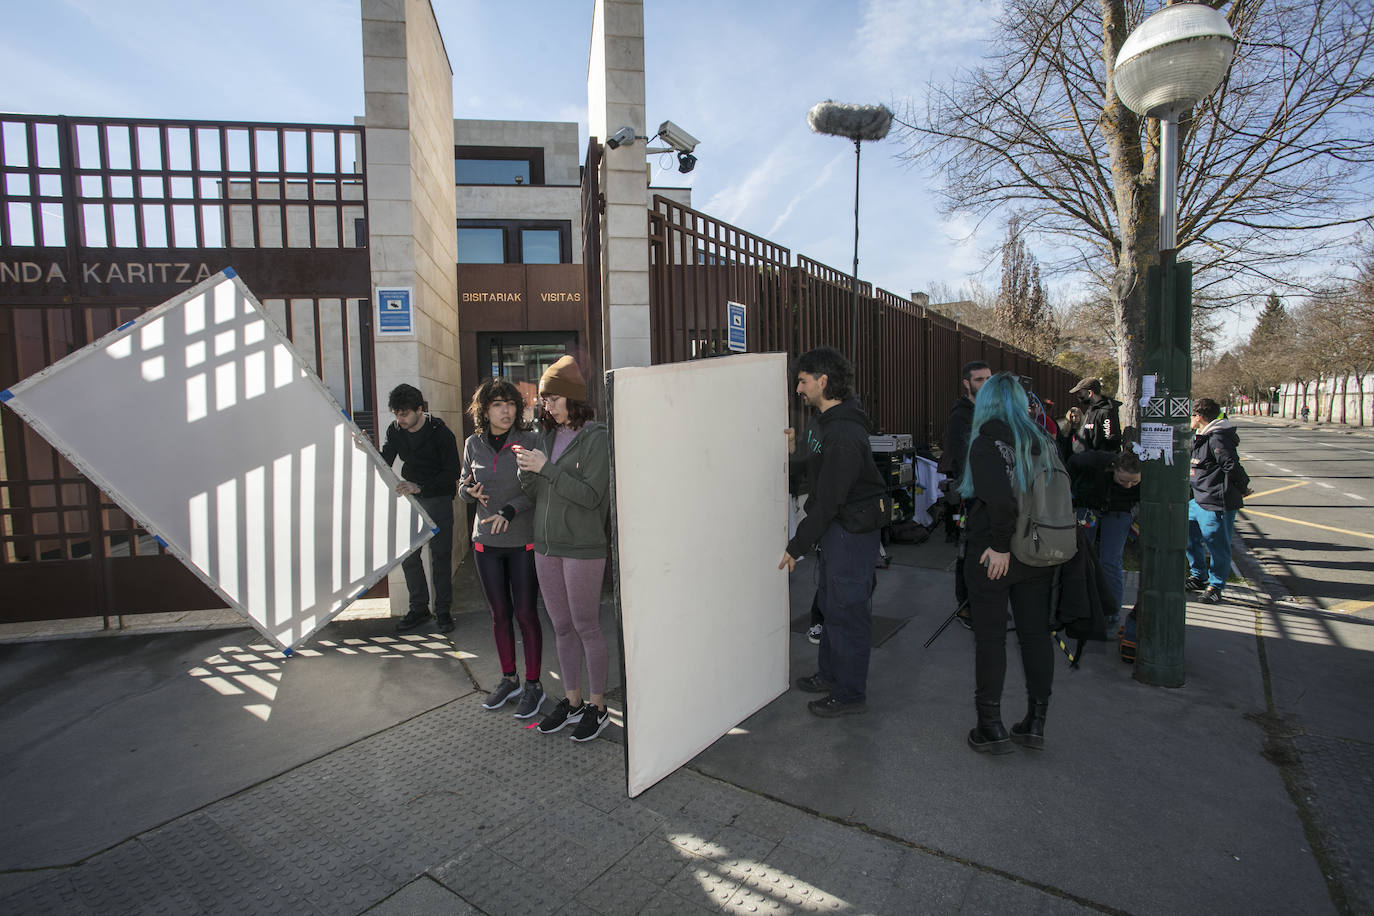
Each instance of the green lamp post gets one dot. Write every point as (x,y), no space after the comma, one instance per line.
(1171,62)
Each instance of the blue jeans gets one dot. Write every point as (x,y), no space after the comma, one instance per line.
(1111,531)
(1209,535)
(846,570)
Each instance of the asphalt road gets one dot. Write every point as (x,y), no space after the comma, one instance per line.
(1310,521)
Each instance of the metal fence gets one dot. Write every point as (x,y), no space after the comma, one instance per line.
(102,218)
(907,358)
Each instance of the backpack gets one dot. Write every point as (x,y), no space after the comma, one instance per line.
(1046,526)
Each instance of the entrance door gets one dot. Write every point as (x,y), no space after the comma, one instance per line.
(522,357)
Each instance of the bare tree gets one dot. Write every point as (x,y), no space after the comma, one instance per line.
(1271,164)
(1022,314)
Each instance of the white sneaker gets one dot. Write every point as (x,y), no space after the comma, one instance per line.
(813,635)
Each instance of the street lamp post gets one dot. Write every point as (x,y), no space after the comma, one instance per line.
(1171,62)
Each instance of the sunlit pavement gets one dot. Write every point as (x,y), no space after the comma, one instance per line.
(200,771)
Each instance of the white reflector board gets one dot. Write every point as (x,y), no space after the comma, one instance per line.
(203,424)
(699,466)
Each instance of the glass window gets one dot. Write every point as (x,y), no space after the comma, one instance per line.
(481,246)
(540,246)
(492,171)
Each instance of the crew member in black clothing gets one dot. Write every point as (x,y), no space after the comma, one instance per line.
(430,468)
(844,511)
(957,429)
(1101,427)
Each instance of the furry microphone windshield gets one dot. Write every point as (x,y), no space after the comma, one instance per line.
(857,122)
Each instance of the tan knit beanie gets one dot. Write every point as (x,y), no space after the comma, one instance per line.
(564,378)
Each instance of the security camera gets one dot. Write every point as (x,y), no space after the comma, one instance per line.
(676,137)
(624,136)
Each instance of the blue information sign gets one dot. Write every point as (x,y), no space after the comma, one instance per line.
(736,341)
(394,311)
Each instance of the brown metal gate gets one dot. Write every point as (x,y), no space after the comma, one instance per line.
(101,219)
(908,357)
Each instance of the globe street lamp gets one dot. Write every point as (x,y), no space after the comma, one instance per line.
(1174,60)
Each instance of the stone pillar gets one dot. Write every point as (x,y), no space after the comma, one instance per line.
(412,235)
(615,99)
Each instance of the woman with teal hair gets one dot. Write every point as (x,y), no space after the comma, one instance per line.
(1008,449)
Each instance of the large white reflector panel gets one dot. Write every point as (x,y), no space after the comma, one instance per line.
(699,463)
(202,423)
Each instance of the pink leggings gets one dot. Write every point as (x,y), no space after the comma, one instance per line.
(572,594)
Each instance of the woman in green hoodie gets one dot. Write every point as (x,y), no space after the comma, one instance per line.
(568,475)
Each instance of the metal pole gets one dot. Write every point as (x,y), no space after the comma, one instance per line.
(854,318)
(1165,493)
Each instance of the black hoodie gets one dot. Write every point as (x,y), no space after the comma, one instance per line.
(1219,482)
(429,457)
(845,484)
(1101,429)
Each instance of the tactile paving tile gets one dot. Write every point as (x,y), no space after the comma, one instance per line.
(656,860)
(495,884)
(53,895)
(820,838)
(618,890)
(666,903)
(705,883)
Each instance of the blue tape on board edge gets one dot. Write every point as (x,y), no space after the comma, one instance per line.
(124,325)
(230,272)
(346,416)
(434,530)
(6,395)
(288,652)
(160,541)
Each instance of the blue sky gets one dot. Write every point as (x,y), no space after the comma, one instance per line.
(740,76)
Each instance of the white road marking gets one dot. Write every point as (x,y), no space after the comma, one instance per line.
(1277,468)
(1355,496)
(1326,485)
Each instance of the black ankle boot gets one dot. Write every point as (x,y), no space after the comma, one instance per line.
(989,736)
(1030,731)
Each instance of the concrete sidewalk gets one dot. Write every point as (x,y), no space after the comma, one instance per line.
(196,772)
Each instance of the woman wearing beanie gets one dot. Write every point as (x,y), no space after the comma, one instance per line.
(568,475)
(503,538)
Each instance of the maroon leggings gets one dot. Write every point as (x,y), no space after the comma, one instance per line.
(508,580)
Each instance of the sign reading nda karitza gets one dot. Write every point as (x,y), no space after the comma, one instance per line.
(202,423)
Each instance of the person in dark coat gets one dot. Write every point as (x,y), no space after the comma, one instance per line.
(1006,454)
(957,429)
(430,468)
(1101,428)
(1106,492)
(844,511)
(1220,486)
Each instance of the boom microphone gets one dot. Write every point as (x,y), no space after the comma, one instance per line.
(857,122)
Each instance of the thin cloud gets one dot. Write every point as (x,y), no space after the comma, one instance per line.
(895,32)
(812,188)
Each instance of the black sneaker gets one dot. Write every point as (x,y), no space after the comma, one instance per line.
(445,623)
(505,691)
(814,684)
(962,615)
(1212,595)
(411,621)
(562,714)
(830,707)
(594,722)
(531,698)
(1192,584)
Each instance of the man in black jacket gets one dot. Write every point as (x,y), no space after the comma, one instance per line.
(844,511)
(430,468)
(1101,427)
(1219,485)
(953,456)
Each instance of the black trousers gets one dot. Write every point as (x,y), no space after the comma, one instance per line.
(1028,590)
